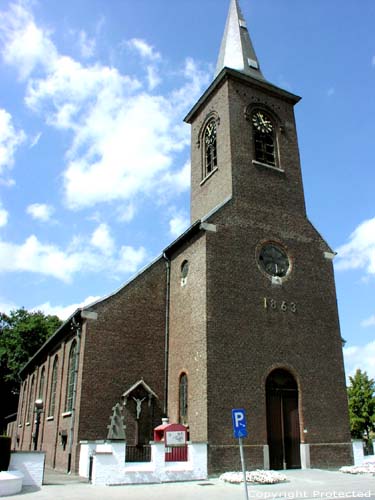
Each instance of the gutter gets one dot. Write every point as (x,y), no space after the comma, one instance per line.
(166,338)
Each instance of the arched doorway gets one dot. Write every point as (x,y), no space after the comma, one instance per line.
(282,420)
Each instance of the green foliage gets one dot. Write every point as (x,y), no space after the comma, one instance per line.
(361,405)
(5,442)
(22,333)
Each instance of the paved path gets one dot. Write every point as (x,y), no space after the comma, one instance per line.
(302,484)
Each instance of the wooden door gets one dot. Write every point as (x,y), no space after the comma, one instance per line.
(283,421)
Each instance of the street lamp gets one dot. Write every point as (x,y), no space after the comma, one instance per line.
(38,411)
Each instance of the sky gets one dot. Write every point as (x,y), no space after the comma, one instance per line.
(95,157)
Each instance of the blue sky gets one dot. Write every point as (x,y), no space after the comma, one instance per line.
(86,84)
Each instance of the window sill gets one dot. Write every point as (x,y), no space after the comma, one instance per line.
(66,414)
(265,165)
(51,417)
(209,175)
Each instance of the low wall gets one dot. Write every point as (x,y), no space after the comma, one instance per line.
(30,464)
(109,467)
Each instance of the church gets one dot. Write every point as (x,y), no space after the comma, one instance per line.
(240,311)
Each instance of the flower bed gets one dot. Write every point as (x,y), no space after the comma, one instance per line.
(255,476)
(365,468)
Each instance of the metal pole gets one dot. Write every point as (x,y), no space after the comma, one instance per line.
(37,424)
(243,468)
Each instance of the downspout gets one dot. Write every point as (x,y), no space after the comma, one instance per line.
(166,338)
(77,326)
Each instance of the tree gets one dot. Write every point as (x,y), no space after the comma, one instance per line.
(361,405)
(22,333)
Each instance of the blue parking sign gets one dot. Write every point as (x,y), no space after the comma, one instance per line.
(239,423)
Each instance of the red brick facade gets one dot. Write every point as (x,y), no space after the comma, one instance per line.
(226,324)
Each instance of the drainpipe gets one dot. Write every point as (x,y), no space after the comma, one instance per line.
(166,341)
(78,327)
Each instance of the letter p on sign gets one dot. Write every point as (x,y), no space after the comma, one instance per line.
(239,423)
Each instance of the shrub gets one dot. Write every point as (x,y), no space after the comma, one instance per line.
(5,442)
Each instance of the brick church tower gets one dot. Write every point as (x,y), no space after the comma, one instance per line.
(253,315)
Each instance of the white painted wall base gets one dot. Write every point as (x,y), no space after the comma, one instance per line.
(358,453)
(266,457)
(31,464)
(109,467)
(305,456)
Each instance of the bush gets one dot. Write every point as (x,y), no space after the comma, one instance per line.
(5,442)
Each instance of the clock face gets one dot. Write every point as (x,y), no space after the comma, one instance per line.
(274,260)
(210,134)
(262,123)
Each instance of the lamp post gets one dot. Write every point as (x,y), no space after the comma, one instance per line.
(38,411)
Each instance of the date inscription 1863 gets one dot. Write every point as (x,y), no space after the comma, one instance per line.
(281,305)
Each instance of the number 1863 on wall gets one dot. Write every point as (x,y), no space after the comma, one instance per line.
(281,305)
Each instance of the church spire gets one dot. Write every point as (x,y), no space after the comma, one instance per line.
(236,51)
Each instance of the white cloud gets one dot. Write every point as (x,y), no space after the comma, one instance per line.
(6,307)
(35,140)
(40,211)
(153,77)
(126,213)
(144,49)
(368,322)
(63,312)
(50,260)
(124,140)
(130,259)
(86,45)
(102,239)
(10,139)
(3,216)
(179,180)
(24,45)
(362,357)
(359,252)
(178,224)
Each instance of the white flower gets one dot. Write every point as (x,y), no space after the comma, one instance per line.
(365,468)
(256,476)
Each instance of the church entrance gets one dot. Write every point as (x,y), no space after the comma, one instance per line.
(282,420)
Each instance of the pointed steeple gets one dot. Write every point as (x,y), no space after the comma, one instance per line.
(237,51)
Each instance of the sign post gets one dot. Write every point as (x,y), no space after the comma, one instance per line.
(240,431)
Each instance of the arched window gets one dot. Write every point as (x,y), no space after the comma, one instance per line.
(210,147)
(31,401)
(41,383)
(183,399)
(71,377)
(263,138)
(52,397)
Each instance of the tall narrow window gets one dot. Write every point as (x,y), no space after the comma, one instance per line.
(24,400)
(41,383)
(183,399)
(31,401)
(264,138)
(184,272)
(210,149)
(71,377)
(52,398)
